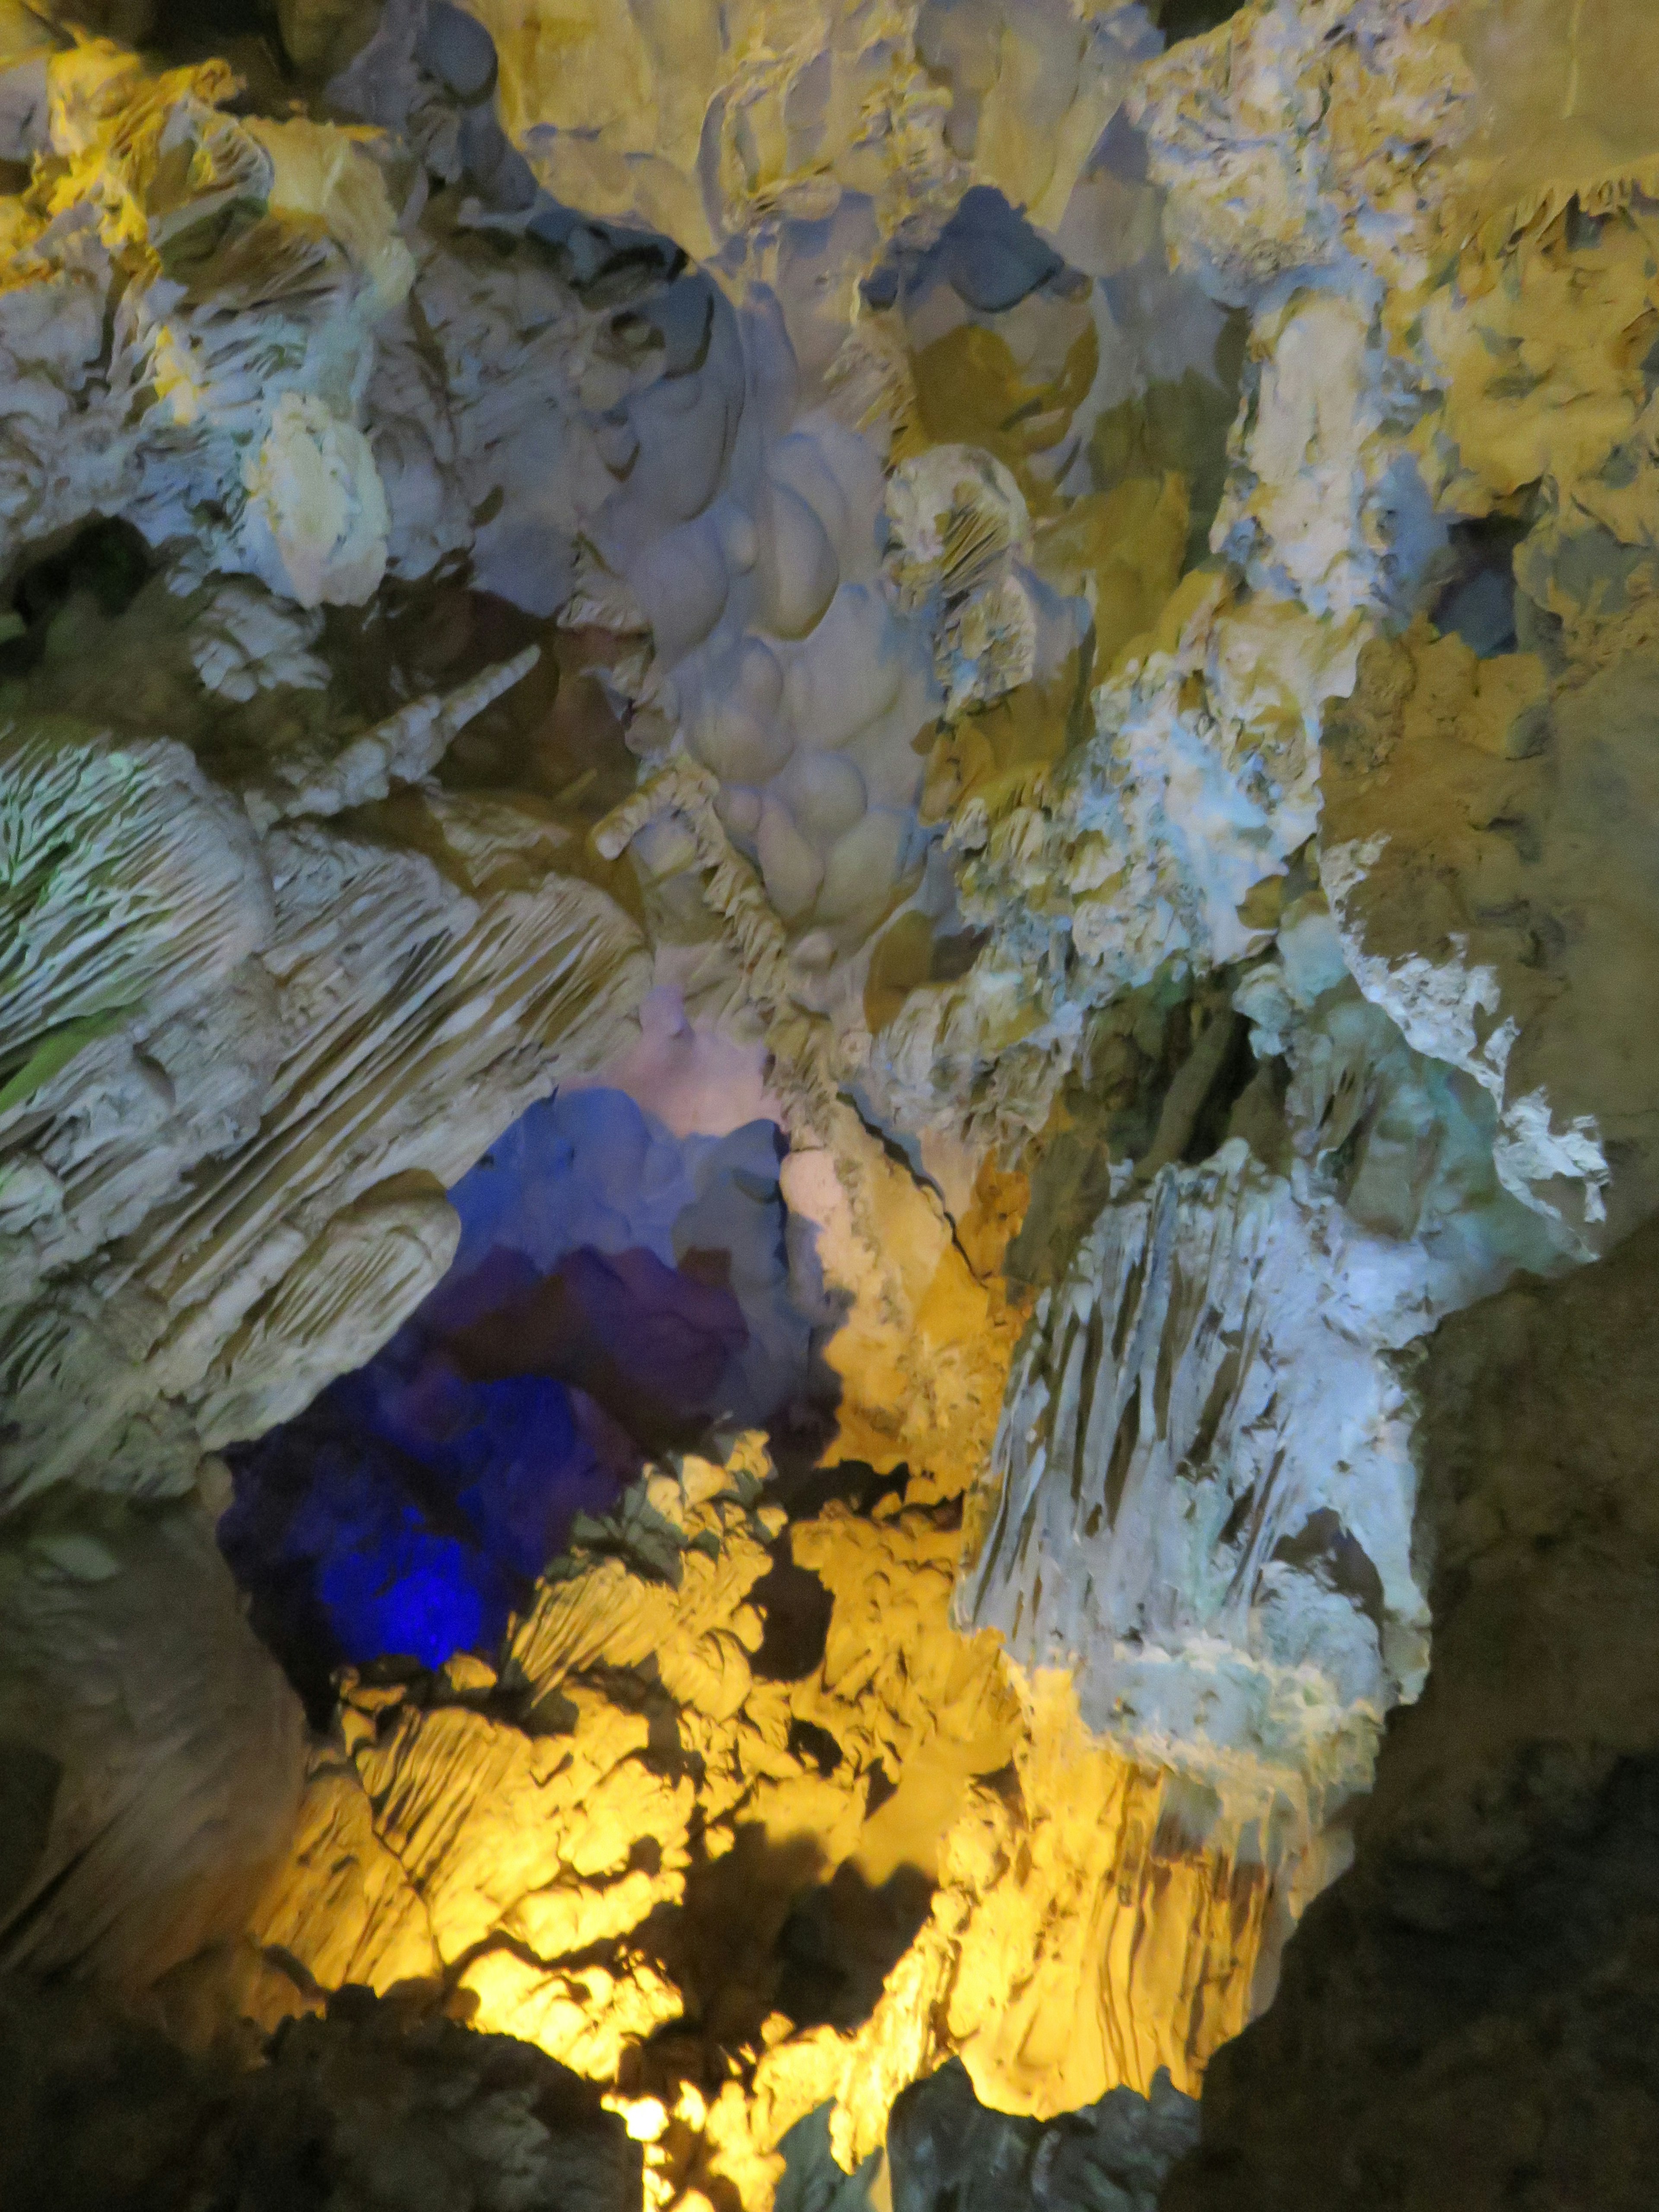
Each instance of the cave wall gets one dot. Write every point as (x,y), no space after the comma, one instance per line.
(1050,602)
(1465,2016)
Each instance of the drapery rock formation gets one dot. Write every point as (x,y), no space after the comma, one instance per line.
(1465,2016)
(811,818)
(681,1835)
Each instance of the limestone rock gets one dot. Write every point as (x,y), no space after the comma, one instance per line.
(1466,2009)
(826,106)
(669,1744)
(285,221)
(365,1089)
(1079,1839)
(1468,795)
(1095,598)
(1156,1434)
(923,1346)
(163,904)
(172,1744)
(945,2147)
(364,2108)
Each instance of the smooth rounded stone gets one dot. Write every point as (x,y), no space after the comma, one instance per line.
(683,316)
(683,433)
(681,581)
(799,580)
(740,809)
(455,48)
(792,870)
(686,426)
(827,452)
(818,270)
(739,539)
(885,756)
(494,167)
(739,748)
(863,867)
(754,679)
(617,443)
(739,733)
(825,793)
(771,375)
(800,463)
(816,951)
(850,674)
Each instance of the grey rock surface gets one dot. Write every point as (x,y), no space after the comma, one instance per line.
(372,2108)
(1470,2017)
(948,2153)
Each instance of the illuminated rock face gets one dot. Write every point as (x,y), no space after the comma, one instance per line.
(702,1807)
(1030,621)
(1492,1942)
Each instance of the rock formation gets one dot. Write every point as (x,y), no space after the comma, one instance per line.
(375,2105)
(683,1834)
(1463,2017)
(825,1145)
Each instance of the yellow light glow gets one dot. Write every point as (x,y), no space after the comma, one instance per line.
(645,2118)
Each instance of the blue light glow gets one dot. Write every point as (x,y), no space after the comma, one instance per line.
(614,1288)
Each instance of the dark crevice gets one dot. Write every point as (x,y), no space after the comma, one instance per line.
(1191,19)
(1477,601)
(105,561)
(807,1740)
(1232,1077)
(796,1608)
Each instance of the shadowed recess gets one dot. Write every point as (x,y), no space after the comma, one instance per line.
(615,1290)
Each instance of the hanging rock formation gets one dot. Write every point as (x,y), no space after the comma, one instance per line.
(1464,2016)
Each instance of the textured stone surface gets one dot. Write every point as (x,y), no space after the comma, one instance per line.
(1058,596)
(1467,2013)
(165,1749)
(681,1839)
(371,2105)
(944,2149)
